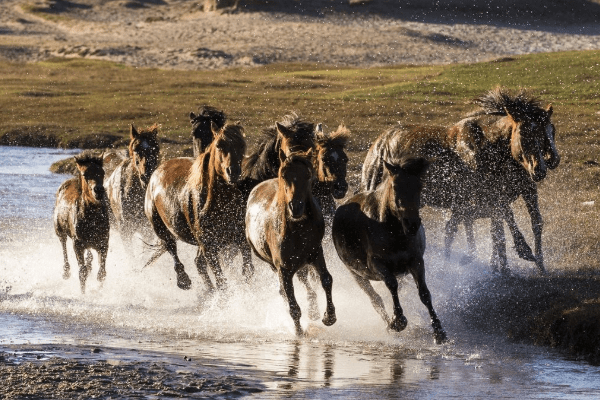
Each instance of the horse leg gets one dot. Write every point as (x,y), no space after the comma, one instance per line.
(498,261)
(376,300)
(521,246)
(287,289)
(212,259)
(418,273)
(313,307)
(329,317)
(66,266)
(471,246)
(183,280)
(83,269)
(102,261)
(399,322)
(89,257)
(451,229)
(202,271)
(247,266)
(531,201)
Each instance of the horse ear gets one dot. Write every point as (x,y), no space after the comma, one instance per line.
(549,110)
(285,132)
(392,169)
(192,117)
(515,116)
(133,132)
(214,128)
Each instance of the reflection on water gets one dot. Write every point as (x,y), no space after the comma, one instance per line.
(247,328)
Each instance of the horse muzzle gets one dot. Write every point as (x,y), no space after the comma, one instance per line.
(233,174)
(339,190)
(99,192)
(296,208)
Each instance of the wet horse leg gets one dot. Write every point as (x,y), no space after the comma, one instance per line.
(83,269)
(399,322)
(102,261)
(376,300)
(521,246)
(183,280)
(531,201)
(212,259)
(202,271)
(287,290)
(418,273)
(89,257)
(498,261)
(471,246)
(329,317)
(247,266)
(451,229)
(313,307)
(66,266)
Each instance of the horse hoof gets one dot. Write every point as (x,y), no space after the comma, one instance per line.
(101,276)
(399,324)
(440,337)
(183,281)
(329,319)
(66,275)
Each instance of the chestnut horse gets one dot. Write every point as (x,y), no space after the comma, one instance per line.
(126,186)
(285,228)
(81,213)
(202,135)
(378,235)
(196,201)
(480,166)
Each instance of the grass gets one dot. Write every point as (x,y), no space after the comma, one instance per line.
(74,98)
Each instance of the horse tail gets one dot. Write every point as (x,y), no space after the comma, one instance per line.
(157,249)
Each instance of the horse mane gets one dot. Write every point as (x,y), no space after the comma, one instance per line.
(88,157)
(339,138)
(499,101)
(215,115)
(201,173)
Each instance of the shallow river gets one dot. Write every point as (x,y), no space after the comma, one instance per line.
(246,331)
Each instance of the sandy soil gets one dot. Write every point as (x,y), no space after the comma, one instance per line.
(178,34)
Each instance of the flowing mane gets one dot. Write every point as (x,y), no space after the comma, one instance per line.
(499,101)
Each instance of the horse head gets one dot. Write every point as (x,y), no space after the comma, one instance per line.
(229,148)
(405,176)
(144,149)
(294,135)
(91,177)
(295,182)
(551,155)
(331,160)
(202,133)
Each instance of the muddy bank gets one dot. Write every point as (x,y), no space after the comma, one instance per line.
(562,312)
(79,372)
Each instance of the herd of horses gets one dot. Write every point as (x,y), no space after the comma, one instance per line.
(280,201)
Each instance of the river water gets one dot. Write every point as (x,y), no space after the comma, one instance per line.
(247,330)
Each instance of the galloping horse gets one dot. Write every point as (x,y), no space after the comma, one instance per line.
(202,135)
(81,213)
(126,186)
(480,166)
(379,236)
(196,201)
(285,227)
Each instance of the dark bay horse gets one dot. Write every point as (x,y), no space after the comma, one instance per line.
(202,135)
(126,186)
(378,235)
(197,201)
(285,228)
(81,213)
(480,166)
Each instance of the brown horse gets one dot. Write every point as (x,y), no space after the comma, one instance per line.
(285,227)
(480,165)
(379,236)
(202,135)
(126,186)
(81,213)
(196,201)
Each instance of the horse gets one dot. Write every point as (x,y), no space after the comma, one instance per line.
(480,165)
(379,236)
(285,228)
(196,201)
(81,213)
(202,135)
(330,164)
(126,186)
